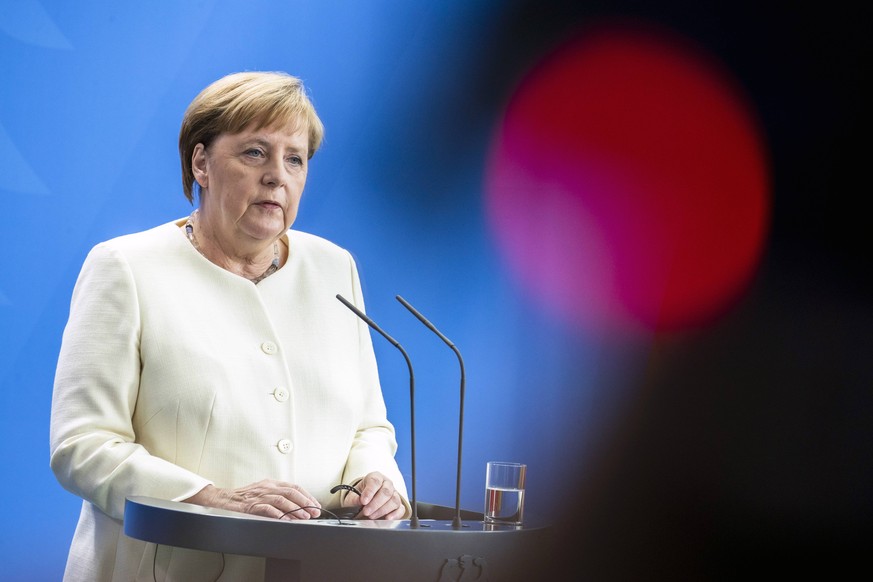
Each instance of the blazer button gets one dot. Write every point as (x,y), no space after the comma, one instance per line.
(285,446)
(280,394)
(269,348)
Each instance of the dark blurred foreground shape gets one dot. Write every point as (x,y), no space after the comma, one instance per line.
(747,448)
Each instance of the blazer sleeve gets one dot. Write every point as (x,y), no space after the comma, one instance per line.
(374,443)
(94,453)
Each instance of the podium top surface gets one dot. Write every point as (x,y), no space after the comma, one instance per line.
(210,529)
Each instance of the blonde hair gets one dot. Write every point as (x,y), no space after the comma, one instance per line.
(236,101)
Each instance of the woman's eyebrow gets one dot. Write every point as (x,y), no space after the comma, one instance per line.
(263,141)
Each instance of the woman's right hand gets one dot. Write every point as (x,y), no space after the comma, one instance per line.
(268,498)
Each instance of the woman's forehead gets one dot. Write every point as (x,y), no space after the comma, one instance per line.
(293,133)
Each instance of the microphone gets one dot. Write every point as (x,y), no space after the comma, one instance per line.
(413,522)
(456,522)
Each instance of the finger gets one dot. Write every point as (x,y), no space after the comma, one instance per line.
(276,499)
(299,497)
(300,513)
(351,499)
(398,513)
(289,505)
(381,503)
(277,510)
(294,492)
(393,508)
(370,485)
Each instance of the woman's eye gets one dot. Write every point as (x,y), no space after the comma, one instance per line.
(295,160)
(254,153)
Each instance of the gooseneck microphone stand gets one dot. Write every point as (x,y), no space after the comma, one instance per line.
(413,522)
(456,522)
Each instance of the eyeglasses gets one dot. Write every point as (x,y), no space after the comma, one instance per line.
(351,511)
(345,488)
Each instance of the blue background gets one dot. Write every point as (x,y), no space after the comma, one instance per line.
(748,437)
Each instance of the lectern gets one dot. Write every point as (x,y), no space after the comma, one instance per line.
(318,550)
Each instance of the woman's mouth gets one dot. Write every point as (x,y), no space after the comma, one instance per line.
(268,205)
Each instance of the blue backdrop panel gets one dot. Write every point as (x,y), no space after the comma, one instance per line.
(91,99)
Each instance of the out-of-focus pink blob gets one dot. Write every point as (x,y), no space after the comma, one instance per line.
(627,185)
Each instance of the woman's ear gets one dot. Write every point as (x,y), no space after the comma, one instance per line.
(198,165)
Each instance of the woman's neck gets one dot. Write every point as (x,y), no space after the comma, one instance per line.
(251,259)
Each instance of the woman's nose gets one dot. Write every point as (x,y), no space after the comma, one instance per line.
(275,173)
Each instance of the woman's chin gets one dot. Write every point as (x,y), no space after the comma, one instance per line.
(266,230)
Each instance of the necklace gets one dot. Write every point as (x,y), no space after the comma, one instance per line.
(274,266)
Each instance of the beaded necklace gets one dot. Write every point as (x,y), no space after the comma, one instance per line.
(274,266)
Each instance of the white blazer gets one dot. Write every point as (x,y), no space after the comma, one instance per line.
(175,373)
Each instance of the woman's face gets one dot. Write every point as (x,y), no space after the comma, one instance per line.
(252,181)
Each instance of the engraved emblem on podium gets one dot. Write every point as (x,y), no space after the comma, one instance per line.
(464,568)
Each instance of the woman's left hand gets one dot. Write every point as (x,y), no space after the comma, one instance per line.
(378,498)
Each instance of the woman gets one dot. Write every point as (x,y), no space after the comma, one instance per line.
(207,360)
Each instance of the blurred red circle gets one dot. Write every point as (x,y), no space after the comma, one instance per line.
(627,185)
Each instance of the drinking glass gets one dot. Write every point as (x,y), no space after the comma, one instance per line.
(504,492)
